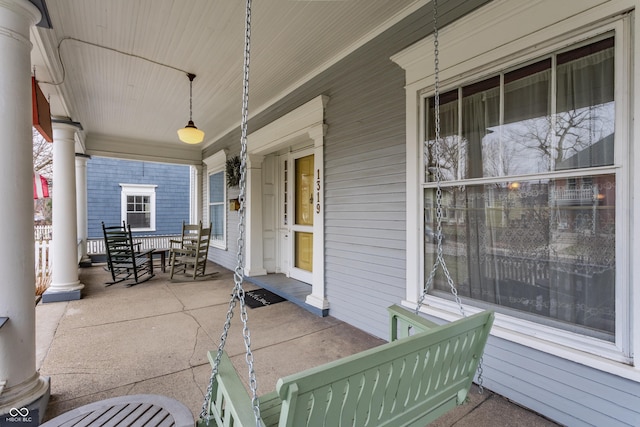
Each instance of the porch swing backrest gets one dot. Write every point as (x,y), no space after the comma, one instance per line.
(410,381)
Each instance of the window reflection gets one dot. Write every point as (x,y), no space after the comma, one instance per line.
(542,247)
(528,129)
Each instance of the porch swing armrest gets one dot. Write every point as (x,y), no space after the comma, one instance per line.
(404,323)
(229,398)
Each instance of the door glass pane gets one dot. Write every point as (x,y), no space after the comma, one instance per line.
(304,190)
(304,251)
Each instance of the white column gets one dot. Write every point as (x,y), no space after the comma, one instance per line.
(196,184)
(81,207)
(254,260)
(65,285)
(20,384)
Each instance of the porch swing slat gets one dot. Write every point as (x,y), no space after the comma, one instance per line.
(410,381)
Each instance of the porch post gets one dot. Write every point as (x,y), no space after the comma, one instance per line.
(254,265)
(195,202)
(81,207)
(65,285)
(20,384)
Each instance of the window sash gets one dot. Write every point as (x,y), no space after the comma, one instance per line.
(217,206)
(465,148)
(138,206)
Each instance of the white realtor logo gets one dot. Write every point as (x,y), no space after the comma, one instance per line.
(22,412)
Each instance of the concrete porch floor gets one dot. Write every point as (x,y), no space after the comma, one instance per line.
(153,338)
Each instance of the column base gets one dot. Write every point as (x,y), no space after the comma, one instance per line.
(254,272)
(321,303)
(35,401)
(60,296)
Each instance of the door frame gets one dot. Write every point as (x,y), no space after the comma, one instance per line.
(304,125)
(292,227)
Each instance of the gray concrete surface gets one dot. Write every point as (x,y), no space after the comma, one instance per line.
(153,338)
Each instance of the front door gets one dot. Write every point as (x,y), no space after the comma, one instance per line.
(302,224)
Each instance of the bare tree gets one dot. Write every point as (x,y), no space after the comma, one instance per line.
(42,164)
(42,155)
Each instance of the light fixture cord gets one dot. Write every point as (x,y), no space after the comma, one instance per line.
(190,98)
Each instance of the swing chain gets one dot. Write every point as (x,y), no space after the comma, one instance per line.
(438,176)
(238,293)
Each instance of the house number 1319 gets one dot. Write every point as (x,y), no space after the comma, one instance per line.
(318,191)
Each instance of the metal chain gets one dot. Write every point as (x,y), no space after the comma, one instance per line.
(438,175)
(238,293)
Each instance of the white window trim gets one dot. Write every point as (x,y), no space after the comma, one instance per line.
(215,164)
(491,54)
(138,190)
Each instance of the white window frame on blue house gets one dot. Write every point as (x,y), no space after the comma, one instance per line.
(216,166)
(145,190)
(566,27)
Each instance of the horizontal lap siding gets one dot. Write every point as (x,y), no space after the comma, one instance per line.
(365,190)
(104,176)
(365,248)
(565,391)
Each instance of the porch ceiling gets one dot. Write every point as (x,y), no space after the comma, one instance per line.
(120,65)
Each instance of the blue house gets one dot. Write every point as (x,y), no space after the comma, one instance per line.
(152,197)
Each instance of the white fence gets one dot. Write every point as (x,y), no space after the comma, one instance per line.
(96,246)
(43,259)
(42,232)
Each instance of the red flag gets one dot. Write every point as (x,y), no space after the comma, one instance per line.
(40,186)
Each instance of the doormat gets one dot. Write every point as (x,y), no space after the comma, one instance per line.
(261,297)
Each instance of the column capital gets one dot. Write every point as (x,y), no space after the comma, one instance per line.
(65,123)
(15,29)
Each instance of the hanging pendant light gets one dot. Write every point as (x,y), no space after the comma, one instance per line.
(190,134)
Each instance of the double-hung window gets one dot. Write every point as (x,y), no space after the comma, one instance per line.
(138,206)
(216,198)
(217,206)
(530,188)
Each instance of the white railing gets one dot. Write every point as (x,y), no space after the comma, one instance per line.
(43,264)
(43,258)
(96,246)
(42,232)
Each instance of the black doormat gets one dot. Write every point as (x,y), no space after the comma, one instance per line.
(261,297)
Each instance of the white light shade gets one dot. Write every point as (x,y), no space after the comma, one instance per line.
(190,134)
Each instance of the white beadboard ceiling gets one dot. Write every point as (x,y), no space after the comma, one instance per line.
(119,66)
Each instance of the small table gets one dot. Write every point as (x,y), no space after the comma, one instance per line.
(163,258)
(137,409)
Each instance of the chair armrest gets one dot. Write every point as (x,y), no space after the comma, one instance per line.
(180,251)
(230,403)
(404,323)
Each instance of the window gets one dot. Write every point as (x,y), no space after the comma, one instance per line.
(216,194)
(526,160)
(138,206)
(217,206)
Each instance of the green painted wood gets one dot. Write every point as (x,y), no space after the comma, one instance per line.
(410,381)
(124,260)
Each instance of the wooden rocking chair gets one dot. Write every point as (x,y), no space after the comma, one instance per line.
(123,261)
(191,251)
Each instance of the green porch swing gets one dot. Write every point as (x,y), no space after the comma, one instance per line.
(423,372)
